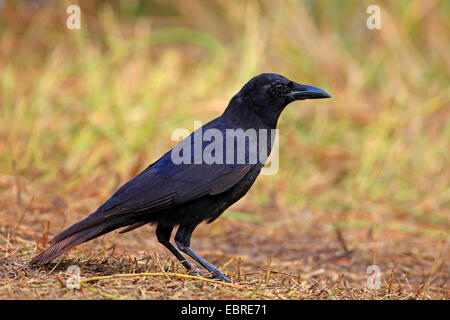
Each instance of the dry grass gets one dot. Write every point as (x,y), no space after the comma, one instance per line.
(363,179)
(276,258)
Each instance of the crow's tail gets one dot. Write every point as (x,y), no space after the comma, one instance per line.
(67,240)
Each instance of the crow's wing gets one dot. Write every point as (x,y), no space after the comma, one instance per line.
(163,185)
(166,184)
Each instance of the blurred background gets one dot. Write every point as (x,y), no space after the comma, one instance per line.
(82,111)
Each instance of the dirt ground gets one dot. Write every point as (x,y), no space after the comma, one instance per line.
(283,255)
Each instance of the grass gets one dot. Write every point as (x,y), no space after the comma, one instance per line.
(363,178)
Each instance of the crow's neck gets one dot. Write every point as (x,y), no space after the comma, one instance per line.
(246,114)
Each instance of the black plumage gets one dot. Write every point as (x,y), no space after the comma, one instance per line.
(171,194)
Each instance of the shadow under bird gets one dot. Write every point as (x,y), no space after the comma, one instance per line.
(170,194)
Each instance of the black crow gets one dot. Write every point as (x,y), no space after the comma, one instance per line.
(199,178)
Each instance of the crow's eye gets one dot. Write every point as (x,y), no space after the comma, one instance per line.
(279,89)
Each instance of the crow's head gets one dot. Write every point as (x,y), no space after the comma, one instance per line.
(269,93)
(274,88)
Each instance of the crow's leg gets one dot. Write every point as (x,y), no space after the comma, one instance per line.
(183,240)
(163,234)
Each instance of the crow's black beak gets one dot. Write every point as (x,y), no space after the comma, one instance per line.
(303,91)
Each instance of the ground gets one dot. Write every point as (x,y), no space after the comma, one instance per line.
(278,255)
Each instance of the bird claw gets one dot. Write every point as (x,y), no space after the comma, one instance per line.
(197,272)
(219,276)
(216,275)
